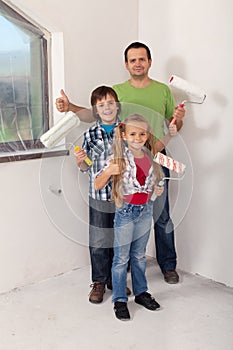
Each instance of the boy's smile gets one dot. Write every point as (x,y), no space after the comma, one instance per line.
(107,110)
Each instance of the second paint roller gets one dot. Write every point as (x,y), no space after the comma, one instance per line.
(54,135)
(170,164)
(197,95)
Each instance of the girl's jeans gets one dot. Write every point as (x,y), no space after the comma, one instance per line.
(132,225)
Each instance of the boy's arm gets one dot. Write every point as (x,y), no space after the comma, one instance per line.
(80,156)
(64,105)
(103,177)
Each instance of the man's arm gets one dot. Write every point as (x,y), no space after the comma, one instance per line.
(178,116)
(64,105)
(162,143)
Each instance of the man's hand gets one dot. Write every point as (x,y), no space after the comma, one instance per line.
(178,116)
(172,129)
(62,103)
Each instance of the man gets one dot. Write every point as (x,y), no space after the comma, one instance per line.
(141,94)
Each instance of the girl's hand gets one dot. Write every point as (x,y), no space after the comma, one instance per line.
(158,190)
(172,129)
(113,168)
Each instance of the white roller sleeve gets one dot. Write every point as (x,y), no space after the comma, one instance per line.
(169,163)
(188,88)
(59,130)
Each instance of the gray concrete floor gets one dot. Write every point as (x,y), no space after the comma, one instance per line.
(196,314)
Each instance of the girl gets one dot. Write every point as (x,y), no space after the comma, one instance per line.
(135,177)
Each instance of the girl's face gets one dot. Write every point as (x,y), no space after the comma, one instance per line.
(107,109)
(135,135)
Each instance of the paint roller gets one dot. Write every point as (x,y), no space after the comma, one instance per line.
(51,137)
(197,94)
(170,164)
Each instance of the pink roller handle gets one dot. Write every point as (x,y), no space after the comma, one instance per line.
(174,118)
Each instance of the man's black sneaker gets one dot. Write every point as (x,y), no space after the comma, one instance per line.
(121,311)
(146,300)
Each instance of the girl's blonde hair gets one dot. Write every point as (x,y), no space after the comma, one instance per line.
(118,153)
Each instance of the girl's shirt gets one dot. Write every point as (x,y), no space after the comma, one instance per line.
(130,184)
(142,171)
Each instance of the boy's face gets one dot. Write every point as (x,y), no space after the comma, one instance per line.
(107,109)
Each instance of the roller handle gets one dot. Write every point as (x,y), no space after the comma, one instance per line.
(174,118)
(86,160)
(161,183)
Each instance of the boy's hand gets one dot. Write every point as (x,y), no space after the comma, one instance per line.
(158,190)
(62,103)
(80,156)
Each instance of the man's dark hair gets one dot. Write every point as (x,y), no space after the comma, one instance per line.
(137,45)
(102,92)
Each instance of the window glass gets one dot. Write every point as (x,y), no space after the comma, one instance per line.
(23,82)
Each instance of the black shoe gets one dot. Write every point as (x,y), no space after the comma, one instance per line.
(146,300)
(121,311)
(171,276)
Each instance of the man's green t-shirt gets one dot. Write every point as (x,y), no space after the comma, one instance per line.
(155,102)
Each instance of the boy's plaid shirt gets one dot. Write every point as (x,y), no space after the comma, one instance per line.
(97,145)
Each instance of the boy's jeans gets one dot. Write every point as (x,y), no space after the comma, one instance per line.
(132,225)
(101,217)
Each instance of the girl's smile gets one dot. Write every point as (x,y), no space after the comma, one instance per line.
(135,135)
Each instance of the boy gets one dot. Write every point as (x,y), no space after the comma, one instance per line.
(97,146)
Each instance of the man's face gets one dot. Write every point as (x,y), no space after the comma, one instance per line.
(138,63)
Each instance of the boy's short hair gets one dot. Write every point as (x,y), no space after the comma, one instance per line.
(137,45)
(102,92)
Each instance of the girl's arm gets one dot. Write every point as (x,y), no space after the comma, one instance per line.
(103,177)
(158,190)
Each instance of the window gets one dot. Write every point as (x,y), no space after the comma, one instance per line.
(24,99)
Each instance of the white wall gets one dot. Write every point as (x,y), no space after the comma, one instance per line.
(44,234)
(192,39)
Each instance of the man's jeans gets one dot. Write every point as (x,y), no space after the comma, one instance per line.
(132,225)
(101,219)
(164,230)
